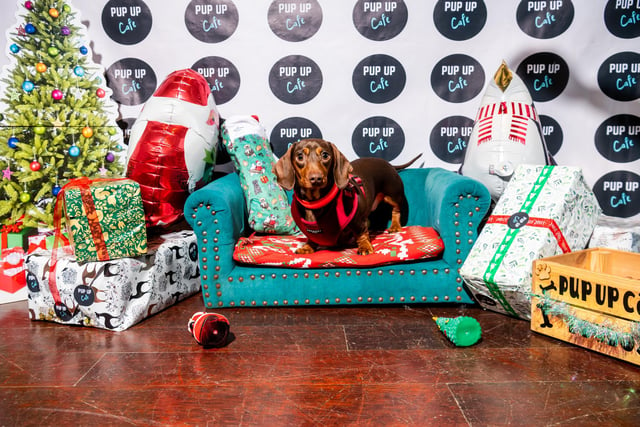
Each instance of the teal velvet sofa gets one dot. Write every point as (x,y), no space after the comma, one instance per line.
(453,204)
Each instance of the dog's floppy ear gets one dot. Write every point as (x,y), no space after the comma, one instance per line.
(283,169)
(341,168)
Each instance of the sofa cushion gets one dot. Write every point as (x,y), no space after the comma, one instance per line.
(410,244)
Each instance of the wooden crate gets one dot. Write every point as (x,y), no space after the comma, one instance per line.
(590,298)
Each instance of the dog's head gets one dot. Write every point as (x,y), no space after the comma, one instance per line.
(312,166)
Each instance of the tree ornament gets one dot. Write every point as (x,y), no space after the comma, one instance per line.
(209,329)
(13,142)
(53,12)
(30,29)
(74,151)
(112,131)
(110,157)
(6,173)
(14,48)
(463,331)
(56,189)
(65,31)
(28,5)
(25,197)
(35,166)
(100,93)
(78,71)
(84,50)
(41,67)
(53,51)
(56,94)
(27,86)
(87,132)
(39,130)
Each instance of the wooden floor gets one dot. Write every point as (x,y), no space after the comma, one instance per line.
(379,366)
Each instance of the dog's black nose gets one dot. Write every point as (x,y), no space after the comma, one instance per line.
(315,179)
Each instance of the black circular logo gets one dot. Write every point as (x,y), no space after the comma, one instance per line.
(619,76)
(290,130)
(62,311)
(223,77)
(32,282)
(552,133)
(84,295)
(449,138)
(545,74)
(193,251)
(518,220)
(460,20)
(378,137)
(618,193)
(457,78)
(618,138)
(295,79)
(622,18)
(379,78)
(295,20)
(126,21)
(211,21)
(380,20)
(131,80)
(544,19)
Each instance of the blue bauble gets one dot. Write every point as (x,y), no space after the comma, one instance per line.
(78,71)
(27,86)
(56,189)
(74,151)
(13,142)
(84,50)
(30,29)
(14,48)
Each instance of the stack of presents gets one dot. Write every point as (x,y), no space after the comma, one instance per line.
(124,256)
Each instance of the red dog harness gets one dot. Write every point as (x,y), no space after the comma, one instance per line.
(326,230)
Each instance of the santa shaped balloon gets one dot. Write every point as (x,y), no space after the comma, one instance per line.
(506,133)
(174,133)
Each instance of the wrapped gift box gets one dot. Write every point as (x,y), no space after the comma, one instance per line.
(590,298)
(544,211)
(105,219)
(114,294)
(616,233)
(12,282)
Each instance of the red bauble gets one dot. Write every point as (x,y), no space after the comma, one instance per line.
(35,166)
(100,93)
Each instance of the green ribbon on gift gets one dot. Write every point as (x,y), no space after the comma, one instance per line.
(503,248)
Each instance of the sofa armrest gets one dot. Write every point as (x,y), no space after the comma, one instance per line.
(217,215)
(455,206)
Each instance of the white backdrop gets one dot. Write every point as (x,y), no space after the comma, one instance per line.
(391,78)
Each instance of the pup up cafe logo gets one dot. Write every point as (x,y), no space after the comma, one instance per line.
(457,78)
(126,21)
(131,80)
(619,76)
(460,20)
(295,79)
(618,193)
(379,137)
(618,138)
(379,78)
(449,138)
(622,18)
(295,20)
(223,77)
(545,74)
(544,19)
(211,21)
(290,130)
(380,20)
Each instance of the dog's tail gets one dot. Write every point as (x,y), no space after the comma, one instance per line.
(409,163)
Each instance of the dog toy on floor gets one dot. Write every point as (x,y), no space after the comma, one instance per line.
(209,329)
(463,331)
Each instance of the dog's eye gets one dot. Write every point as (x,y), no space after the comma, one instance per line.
(300,156)
(325,155)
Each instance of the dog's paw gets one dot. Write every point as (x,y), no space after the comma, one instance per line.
(365,249)
(394,229)
(306,249)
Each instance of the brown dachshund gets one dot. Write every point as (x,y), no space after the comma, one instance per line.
(333,198)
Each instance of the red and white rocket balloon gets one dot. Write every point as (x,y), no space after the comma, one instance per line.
(168,144)
(506,133)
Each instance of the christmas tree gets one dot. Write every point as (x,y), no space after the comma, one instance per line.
(58,121)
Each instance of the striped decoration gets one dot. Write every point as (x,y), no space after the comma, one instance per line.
(520,114)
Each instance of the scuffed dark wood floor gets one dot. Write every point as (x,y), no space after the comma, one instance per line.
(379,366)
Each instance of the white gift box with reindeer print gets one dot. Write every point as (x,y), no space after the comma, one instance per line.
(544,211)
